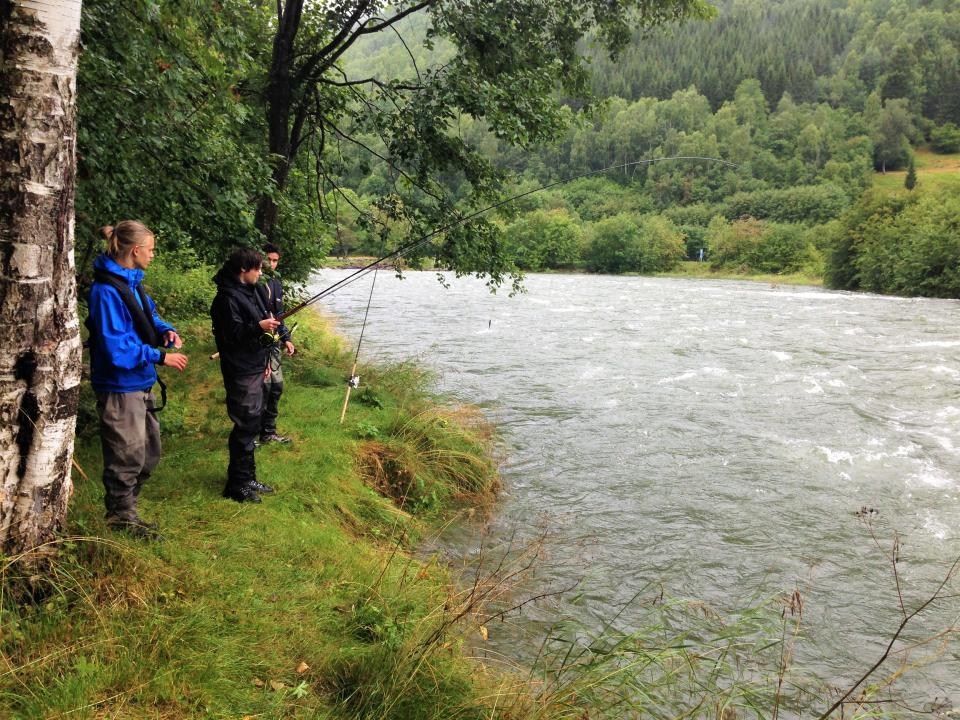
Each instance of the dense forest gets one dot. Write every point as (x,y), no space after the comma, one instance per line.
(806,102)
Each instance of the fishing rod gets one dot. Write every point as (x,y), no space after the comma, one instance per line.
(414,244)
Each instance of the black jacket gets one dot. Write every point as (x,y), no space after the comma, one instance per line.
(236,312)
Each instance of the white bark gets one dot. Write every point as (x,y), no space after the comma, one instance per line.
(40,354)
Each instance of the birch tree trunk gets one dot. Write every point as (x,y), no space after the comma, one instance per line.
(39,330)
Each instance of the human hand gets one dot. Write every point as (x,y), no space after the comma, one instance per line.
(267,372)
(174,360)
(269,324)
(171,339)
(289,347)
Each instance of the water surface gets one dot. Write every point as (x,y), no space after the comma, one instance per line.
(717,437)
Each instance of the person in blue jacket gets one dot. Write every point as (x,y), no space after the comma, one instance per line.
(126,337)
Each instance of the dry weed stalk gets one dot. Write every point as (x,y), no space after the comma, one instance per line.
(906,617)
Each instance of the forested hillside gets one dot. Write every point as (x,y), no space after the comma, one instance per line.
(809,99)
(815,50)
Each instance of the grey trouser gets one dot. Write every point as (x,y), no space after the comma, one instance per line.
(130,438)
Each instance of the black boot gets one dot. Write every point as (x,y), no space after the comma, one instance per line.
(260,487)
(240,473)
(250,467)
(241,493)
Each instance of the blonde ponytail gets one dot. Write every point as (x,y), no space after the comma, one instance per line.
(123,238)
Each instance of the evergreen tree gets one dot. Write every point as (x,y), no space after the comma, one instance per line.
(910,181)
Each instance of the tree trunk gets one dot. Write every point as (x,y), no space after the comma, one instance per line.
(279,100)
(40,361)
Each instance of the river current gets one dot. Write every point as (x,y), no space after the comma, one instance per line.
(721,438)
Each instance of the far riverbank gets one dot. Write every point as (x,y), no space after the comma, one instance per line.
(688,269)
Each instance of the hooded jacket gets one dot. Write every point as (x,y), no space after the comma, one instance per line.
(120,361)
(236,313)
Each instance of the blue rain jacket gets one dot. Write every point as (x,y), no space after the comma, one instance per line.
(119,360)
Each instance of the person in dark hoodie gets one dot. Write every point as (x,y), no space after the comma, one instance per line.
(240,319)
(273,385)
(126,335)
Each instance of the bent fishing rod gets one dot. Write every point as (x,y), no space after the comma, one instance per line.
(414,244)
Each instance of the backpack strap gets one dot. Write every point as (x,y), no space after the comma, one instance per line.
(139,311)
(142,321)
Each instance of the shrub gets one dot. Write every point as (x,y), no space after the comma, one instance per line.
(904,243)
(735,243)
(699,214)
(627,243)
(181,286)
(546,239)
(807,204)
(945,139)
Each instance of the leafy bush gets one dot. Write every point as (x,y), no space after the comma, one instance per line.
(735,243)
(945,139)
(627,243)
(808,204)
(181,286)
(902,243)
(546,239)
(698,214)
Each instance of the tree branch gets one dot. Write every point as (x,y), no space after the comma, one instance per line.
(330,53)
(332,46)
(386,161)
(369,81)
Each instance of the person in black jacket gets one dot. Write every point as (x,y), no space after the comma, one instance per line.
(240,319)
(273,385)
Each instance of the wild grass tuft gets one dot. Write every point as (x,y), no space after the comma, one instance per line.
(426,460)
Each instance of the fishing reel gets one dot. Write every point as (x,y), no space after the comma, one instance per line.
(270,340)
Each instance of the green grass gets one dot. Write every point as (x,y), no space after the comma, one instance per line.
(935,173)
(216,620)
(702,270)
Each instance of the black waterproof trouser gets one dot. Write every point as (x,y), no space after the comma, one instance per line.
(244,407)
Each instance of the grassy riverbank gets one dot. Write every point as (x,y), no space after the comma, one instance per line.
(308,605)
(703,271)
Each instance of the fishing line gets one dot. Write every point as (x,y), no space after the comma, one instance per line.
(414,244)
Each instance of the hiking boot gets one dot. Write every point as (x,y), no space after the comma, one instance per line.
(260,487)
(275,438)
(241,493)
(135,528)
(125,518)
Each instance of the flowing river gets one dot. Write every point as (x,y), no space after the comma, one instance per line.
(720,438)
